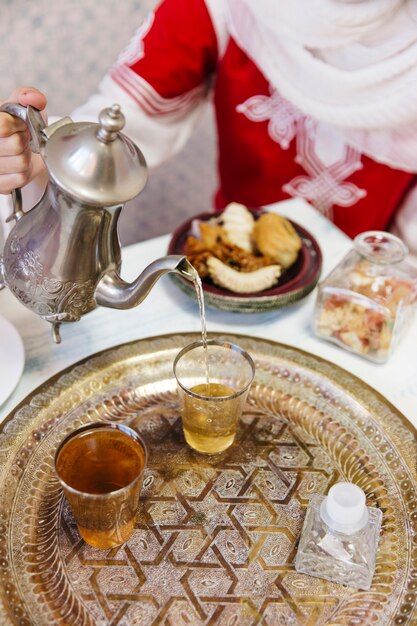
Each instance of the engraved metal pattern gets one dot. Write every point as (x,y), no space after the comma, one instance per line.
(216,537)
(50,298)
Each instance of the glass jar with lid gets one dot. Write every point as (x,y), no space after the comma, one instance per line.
(366,303)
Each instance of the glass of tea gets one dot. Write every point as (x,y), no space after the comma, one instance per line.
(100,467)
(213,381)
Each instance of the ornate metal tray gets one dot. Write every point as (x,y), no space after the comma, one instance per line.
(217,536)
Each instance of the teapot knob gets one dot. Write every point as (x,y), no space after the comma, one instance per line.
(111,121)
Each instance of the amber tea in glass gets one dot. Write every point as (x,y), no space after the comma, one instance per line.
(100,467)
(211,410)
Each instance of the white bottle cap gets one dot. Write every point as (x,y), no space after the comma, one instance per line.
(344,509)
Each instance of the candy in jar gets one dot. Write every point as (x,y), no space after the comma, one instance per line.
(366,303)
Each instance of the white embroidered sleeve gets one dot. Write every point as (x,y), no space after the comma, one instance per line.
(160,127)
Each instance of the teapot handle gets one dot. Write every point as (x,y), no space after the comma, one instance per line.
(17,206)
(34,120)
(36,124)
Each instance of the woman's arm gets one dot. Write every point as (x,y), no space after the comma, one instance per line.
(162,79)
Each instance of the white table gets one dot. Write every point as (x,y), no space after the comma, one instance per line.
(167,309)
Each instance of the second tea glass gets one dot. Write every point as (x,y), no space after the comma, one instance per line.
(100,467)
(213,386)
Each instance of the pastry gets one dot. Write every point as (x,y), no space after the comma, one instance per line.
(211,234)
(231,255)
(238,223)
(242,282)
(275,236)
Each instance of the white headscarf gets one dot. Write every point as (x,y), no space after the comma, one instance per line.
(351,64)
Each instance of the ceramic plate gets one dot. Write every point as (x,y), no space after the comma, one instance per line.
(294,284)
(12,358)
(216,536)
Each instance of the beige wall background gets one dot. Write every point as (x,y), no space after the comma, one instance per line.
(64,48)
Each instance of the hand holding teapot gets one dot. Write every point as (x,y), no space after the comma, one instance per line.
(62,258)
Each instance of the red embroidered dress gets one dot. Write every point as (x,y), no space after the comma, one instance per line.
(268,150)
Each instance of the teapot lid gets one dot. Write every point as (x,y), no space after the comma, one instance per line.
(96,163)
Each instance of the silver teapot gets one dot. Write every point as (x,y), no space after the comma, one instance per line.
(62,258)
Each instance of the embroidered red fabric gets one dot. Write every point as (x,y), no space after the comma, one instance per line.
(268,150)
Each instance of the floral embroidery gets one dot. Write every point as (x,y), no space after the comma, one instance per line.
(282,116)
(324,184)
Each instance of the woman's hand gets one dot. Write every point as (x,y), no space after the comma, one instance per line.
(18,164)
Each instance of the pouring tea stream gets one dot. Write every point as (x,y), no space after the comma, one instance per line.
(62,258)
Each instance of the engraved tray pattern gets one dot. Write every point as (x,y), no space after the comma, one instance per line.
(216,536)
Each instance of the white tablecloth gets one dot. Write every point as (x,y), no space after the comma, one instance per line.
(167,309)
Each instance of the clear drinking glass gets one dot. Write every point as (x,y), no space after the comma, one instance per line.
(213,384)
(100,467)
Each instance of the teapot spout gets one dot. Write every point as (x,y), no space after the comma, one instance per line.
(112,291)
